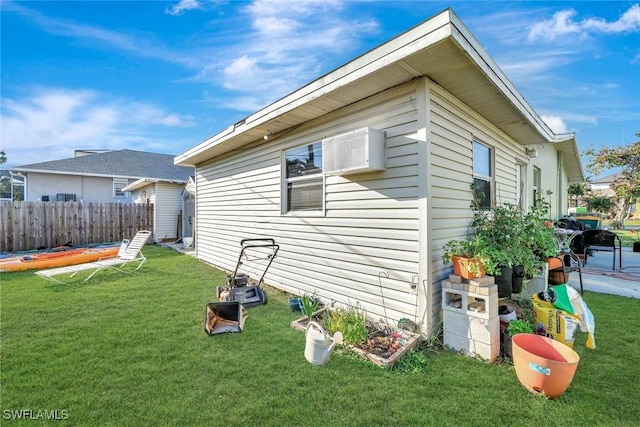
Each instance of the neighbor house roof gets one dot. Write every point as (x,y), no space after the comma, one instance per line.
(129,164)
(441,49)
(607,179)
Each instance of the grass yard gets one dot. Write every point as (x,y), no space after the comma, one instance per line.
(130,350)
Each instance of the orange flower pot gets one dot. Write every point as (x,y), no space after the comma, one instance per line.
(543,365)
(461,267)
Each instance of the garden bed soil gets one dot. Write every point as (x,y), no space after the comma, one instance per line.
(384,346)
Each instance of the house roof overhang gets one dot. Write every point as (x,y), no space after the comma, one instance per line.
(144,182)
(441,49)
(571,159)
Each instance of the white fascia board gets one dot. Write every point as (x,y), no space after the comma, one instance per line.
(61,172)
(143,182)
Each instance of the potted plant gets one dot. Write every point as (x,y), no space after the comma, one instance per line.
(500,227)
(518,326)
(470,258)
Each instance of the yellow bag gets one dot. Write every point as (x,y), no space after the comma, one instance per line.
(553,323)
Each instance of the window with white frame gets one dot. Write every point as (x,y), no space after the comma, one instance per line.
(537,185)
(303,179)
(118,185)
(482,175)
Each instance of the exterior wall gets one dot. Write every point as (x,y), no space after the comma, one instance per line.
(370,227)
(88,189)
(379,242)
(168,204)
(189,214)
(167,199)
(554,180)
(452,129)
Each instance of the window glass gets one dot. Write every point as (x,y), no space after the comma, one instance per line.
(482,175)
(537,183)
(481,160)
(305,160)
(304,181)
(118,185)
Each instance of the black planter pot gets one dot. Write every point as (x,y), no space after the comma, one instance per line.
(636,246)
(507,346)
(504,282)
(517,278)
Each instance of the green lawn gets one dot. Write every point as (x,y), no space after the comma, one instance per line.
(626,236)
(130,350)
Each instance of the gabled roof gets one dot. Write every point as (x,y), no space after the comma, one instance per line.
(128,164)
(607,179)
(441,49)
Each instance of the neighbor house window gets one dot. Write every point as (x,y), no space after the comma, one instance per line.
(118,185)
(482,175)
(303,179)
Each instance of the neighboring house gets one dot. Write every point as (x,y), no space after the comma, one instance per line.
(602,187)
(102,176)
(168,195)
(361,217)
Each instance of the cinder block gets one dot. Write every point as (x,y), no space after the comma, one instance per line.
(455,279)
(469,298)
(482,281)
(472,335)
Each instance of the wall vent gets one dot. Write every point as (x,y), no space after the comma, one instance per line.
(362,150)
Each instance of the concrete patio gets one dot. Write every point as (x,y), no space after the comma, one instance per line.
(598,275)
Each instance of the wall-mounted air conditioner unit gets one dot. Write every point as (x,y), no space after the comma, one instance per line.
(362,150)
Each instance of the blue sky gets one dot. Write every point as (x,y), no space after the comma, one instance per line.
(164,76)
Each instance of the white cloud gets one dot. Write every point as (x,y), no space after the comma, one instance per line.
(183,5)
(145,46)
(629,21)
(285,48)
(556,124)
(50,123)
(562,24)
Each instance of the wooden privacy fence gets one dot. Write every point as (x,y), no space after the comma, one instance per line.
(33,225)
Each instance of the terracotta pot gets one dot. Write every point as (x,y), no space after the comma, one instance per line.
(460,267)
(557,277)
(555,262)
(543,365)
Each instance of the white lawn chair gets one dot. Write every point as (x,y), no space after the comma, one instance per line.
(131,252)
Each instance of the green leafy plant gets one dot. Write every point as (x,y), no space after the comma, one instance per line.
(516,238)
(310,304)
(352,322)
(519,326)
(476,249)
(413,361)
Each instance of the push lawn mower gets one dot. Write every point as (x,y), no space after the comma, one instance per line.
(255,254)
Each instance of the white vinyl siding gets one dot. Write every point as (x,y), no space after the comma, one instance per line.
(370,226)
(167,207)
(453,128)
